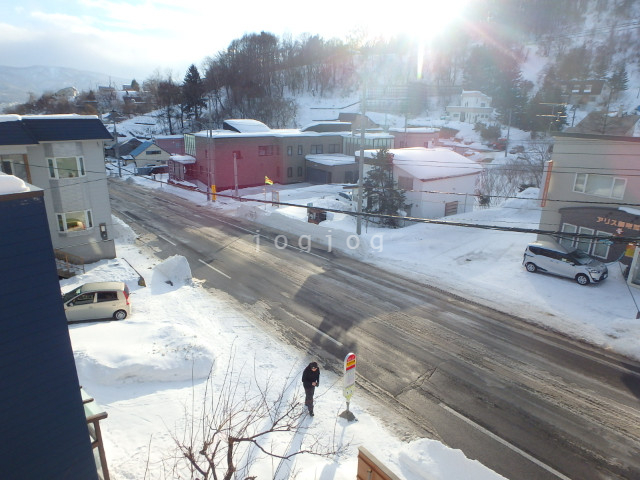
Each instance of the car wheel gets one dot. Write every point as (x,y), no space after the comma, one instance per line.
(120,315)
(531,267)
(582,279)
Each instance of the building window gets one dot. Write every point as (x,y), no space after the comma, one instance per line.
(600,185)
(190,145)
(601,247)
(153,152)
(584,244)
(299,149)
(334,148)
(597,248)
(569,240)
(349,177)
(289,151)
(299,171)
(587,89)
(265,150)
(289,172)
(14,165)
(66,167)
(316,149)
(75,221)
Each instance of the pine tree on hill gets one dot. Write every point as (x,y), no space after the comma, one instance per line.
(193,92)
(619,80)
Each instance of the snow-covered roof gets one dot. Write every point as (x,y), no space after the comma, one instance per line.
(415,130)
(12,184)
(246,126)
(331,159)
(327,126)
(475,93)
(291,132)
(183,159)
(430,163)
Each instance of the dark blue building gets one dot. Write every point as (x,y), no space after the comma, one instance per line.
(43,429)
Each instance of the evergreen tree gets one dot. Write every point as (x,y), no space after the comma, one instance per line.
(135,85)
(619,79)
(381,191)
(193,92)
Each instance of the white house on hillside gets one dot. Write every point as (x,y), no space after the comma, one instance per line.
(438,182)
(474,107)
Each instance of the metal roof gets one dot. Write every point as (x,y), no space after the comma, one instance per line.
(32,129)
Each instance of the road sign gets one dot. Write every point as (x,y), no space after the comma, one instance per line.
(349,381)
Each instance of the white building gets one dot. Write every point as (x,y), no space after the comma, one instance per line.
(474,107)
(438,182)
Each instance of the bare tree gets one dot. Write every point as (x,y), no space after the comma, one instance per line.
(501,181)
(239,420)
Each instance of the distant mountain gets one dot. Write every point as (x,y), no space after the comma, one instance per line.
(17,82)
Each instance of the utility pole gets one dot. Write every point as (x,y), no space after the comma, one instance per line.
(506,145)
(116,147)
(235,172)
(361,162)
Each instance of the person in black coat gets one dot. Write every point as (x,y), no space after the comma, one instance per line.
(310,380)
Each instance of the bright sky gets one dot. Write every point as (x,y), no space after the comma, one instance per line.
(132,38)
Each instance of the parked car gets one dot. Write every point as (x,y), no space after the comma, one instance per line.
(159,169)
(551,257)
(97,301)
(152,169)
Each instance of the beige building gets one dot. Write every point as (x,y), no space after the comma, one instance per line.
(591,190)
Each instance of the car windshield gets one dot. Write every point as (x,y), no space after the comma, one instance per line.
(69,295)
(580,257)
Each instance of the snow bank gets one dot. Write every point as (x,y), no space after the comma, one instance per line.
(171,353)
(174,271)
(122,233)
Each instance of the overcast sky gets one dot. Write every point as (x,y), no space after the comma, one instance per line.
(132,38)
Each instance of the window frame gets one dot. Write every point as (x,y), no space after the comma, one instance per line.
(585,184)
(63,226)
(54,169)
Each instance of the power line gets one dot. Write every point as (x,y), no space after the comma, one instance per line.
(551,233)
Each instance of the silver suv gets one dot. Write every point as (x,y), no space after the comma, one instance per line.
(553,258)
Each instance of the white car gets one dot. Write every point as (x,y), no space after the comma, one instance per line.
(553,258)
(96,301)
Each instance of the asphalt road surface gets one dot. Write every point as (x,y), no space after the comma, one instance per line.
(527,403)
